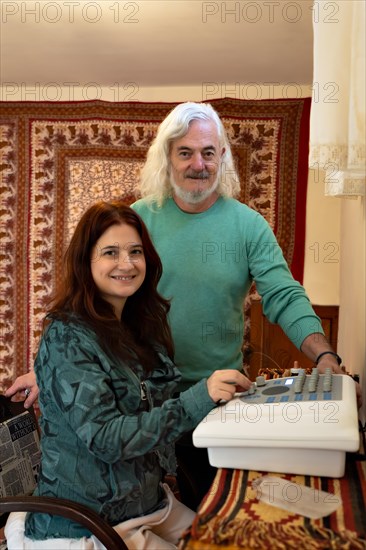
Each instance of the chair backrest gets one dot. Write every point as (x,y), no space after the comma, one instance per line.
(19,467)
(70,510)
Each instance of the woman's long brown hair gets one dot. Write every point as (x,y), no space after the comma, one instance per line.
(144,316)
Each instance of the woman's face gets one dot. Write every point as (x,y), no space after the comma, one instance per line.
(118,264)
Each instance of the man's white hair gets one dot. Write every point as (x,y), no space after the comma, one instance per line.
(155,184)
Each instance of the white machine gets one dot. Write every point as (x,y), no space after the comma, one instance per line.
(302,424)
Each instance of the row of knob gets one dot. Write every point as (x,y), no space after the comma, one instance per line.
(313,381)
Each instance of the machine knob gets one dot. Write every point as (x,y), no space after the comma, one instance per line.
(260,381)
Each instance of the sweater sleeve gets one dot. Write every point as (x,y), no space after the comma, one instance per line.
(78,387)
(284,299)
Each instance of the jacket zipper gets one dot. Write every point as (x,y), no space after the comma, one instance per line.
(143,391)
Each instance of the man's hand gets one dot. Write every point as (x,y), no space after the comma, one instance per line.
(324,363)
(316,344)
(223,384)
(28,384)
(328,362)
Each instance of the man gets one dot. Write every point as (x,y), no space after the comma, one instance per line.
(212,247)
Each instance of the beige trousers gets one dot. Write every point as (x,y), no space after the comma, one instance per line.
(160,530)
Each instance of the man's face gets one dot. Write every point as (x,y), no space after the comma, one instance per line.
(195,161)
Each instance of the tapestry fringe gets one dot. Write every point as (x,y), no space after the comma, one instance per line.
(257,535)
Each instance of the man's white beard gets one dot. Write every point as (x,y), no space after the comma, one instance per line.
(196,196)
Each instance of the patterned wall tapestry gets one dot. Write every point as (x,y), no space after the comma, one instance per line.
(58,158)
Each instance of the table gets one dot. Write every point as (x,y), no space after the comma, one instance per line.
(231,516)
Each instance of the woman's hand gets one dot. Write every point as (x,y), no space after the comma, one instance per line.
(223,384)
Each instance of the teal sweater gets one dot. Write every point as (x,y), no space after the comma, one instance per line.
(209,262)
(103,444)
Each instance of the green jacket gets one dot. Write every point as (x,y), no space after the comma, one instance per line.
(107,428)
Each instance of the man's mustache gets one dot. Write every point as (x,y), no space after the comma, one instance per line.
(204,175)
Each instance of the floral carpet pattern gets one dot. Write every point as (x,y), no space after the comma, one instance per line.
(56,159)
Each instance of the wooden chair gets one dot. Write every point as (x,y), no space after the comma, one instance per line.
(74,511)
(70,510)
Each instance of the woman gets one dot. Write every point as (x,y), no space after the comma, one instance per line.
(105,373)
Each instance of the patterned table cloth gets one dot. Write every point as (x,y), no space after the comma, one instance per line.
(232,516)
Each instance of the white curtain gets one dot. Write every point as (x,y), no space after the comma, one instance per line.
(337,122)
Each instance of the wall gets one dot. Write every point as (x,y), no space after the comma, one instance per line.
(322,243)
(352,325)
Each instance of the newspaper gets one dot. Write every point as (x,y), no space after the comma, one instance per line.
(20,455)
